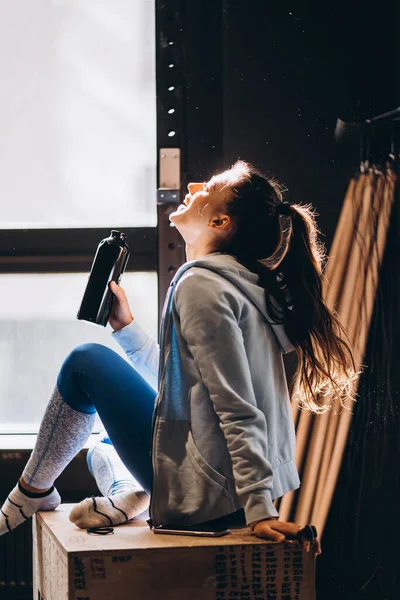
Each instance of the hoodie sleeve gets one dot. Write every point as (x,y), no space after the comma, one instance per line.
(208,315)
(142,351)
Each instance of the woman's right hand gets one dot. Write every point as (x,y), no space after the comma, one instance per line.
(278,531)
(121,313)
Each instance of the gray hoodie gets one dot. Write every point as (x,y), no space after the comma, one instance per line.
(223,433)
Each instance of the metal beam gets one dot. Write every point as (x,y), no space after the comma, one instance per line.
(170,136)
(189,64)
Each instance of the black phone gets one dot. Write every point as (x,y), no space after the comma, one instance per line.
(196,530)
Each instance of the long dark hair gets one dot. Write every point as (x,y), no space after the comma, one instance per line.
(279,242)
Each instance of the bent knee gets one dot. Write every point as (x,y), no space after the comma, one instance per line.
(86,356)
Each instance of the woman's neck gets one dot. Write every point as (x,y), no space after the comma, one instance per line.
(196,252)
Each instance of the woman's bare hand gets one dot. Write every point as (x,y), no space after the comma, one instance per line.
(278,531)
(121,313)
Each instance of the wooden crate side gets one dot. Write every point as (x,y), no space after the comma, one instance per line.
(256,572)
(50,565)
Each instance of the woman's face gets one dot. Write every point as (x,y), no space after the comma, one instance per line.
(196,201)
(202,211)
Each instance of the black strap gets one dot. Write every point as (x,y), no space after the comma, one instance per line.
(100,530)
(308,532)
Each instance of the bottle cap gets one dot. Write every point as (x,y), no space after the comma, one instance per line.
(115,233)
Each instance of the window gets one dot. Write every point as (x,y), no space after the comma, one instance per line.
(77,114)
(38,329)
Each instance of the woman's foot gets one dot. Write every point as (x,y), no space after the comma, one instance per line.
(21,504)
(123,497)
(109,510)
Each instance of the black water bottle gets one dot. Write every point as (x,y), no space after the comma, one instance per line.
(108,265)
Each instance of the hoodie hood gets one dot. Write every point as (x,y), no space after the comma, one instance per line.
(227,266)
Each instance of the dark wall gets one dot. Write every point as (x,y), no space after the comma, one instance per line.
(290,69)
(267,81)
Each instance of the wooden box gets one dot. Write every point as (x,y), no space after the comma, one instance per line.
(134,563)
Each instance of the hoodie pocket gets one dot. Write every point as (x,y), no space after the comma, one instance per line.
(186,489)
(200,464)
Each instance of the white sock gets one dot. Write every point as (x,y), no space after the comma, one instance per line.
(21,505)
(110,510)
(107,468)
(124,498)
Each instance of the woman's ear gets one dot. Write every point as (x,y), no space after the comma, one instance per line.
(219,222)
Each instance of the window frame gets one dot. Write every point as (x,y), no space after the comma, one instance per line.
(71,250)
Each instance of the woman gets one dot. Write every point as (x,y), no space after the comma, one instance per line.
(222,436)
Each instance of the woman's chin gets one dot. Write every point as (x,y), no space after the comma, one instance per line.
(174,217)
(174,220)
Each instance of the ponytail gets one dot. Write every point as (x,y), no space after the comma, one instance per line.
(325,370)
(279,242)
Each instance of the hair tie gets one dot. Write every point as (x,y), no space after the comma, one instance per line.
(284,208)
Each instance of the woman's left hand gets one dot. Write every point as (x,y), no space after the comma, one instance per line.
(278,531)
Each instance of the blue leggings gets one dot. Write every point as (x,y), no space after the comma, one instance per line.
(94,378)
